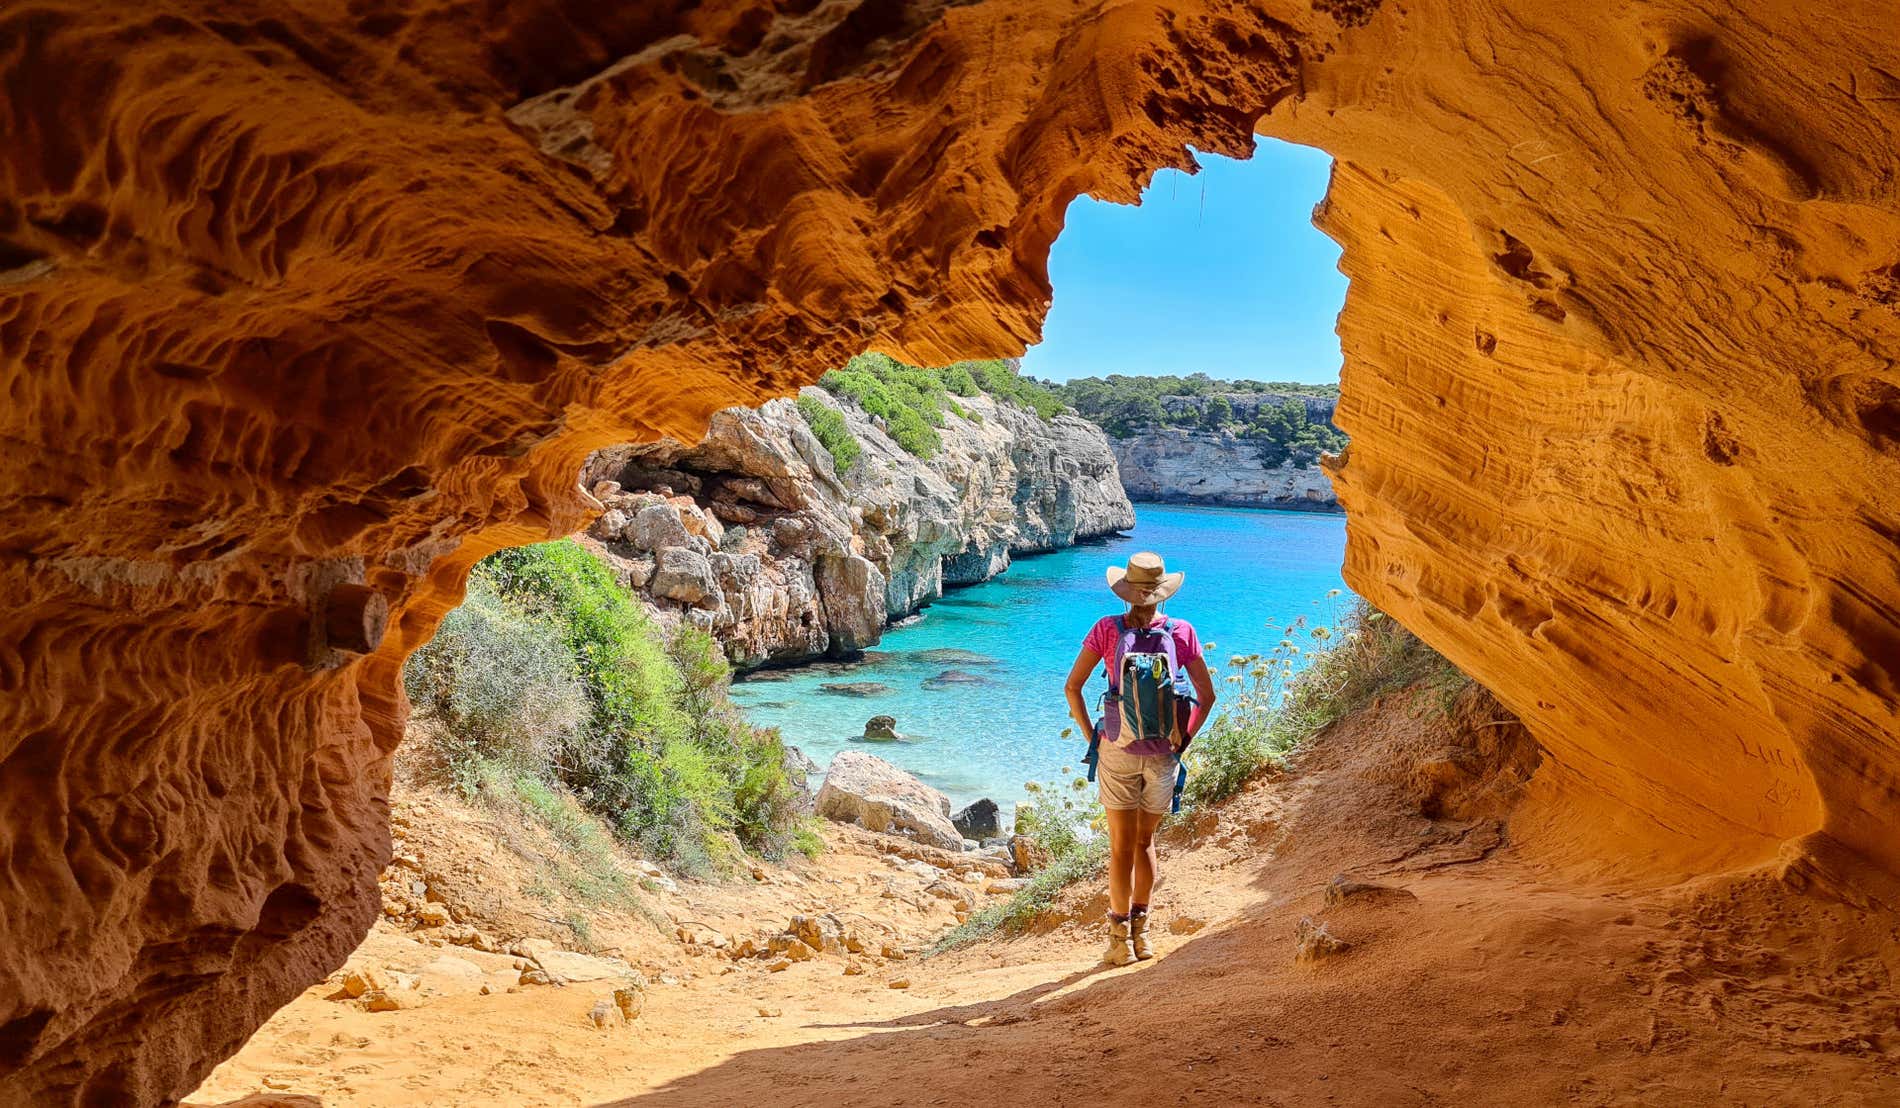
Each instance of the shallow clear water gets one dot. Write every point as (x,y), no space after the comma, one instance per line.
(976,683)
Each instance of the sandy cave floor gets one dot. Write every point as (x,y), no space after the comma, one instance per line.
(1486,979)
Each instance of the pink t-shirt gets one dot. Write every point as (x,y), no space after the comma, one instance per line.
(1105,639)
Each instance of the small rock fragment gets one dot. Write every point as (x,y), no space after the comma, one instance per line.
(1342,888)
(364,980)
(605,1014)
(1315,942)
(630,1001)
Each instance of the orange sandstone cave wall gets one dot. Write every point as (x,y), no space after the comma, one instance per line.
(304,307)
(1620,341)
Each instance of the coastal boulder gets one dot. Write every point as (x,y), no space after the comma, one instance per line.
(876,795)
(657,527)
(684,575)
(851,591)
(979,820)
(881,728)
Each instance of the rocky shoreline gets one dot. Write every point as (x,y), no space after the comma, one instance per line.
(754,536)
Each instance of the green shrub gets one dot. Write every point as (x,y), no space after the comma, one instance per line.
(657,749)
(1125,405)
(912,401)
(1067,821)
(1272,705)
(1005,382)
(959,380)
(909,400)
(807,842)
(828,426)
(1014,915)
(505,686)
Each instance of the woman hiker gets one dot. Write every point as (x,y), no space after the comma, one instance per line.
(1137,774)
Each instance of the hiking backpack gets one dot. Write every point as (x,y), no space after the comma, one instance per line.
(1150,692)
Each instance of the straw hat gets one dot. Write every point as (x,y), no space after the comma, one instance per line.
(1145,581)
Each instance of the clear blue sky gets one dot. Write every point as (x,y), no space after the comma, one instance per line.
(1222,273)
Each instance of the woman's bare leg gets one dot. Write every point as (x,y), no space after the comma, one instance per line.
(1145,861)
(1123,865)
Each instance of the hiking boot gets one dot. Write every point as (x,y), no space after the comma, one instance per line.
(1138,937)
(1117,953)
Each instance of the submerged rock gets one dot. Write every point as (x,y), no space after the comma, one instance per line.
(952,677)
(876,795)
(855,688)
(953,656)
(881,728)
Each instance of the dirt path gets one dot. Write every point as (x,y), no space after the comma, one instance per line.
(1473,976)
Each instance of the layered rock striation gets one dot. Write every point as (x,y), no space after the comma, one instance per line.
(303,311)
(753,535)
(1183,465)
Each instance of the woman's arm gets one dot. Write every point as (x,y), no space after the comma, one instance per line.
(1085,663)
(1203,693)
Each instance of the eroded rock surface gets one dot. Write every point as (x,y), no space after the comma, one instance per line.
(302,312)
(753,535)
(1179,465)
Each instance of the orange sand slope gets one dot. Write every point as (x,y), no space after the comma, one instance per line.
(1469,977)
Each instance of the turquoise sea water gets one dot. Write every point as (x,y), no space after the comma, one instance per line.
(976,683)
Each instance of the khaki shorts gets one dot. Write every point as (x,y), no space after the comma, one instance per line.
(1126,781)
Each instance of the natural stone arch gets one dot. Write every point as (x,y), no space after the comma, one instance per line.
(322,300)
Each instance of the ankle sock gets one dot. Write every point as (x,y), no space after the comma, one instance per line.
(1117,917)
(1137,910)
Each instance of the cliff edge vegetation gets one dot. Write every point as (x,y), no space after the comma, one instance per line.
(549,680)
(799,530)
(1198,440)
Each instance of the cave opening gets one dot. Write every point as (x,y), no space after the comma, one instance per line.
(300,316)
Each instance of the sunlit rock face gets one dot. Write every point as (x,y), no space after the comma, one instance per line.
(301,312)
(1625,416)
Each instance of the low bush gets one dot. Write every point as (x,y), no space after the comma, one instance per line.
(1003,381)
(1272,703)
(656,747)
(1281,432)
(829,428)
(505,686)
(912,401)
(1067,822)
